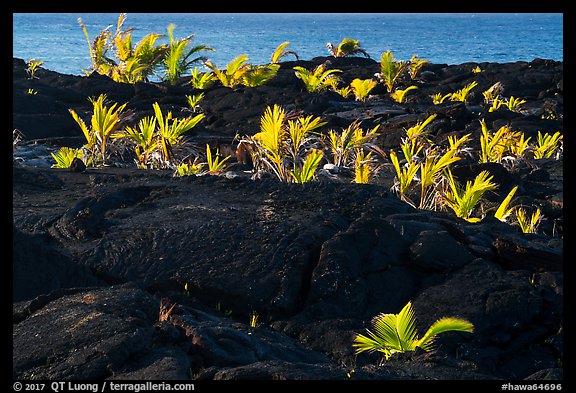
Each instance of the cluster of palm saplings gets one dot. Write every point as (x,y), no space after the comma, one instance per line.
(289,147)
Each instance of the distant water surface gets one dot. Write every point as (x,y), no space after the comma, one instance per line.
(58,40)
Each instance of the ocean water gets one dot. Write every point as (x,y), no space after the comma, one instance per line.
(58,40)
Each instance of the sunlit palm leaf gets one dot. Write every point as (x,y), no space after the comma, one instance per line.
(362,87)
(448,324)
(504,211)
(309,166)
(279,53)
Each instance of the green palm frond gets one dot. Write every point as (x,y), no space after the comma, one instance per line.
(448,324)
(547,145)
(306,173)
(391,70)
(201,80)
(363,167)
(431,170)
(463,93)
(362,87)
(528,225)
(514,104)
(171,130)
(319,78)
(399,95)
(348,47)
(232,75)
(504,211)
(463,200)
(64,157)
(177,59)
(396,333)
(279,53)
(215,164)
(299,132)
(259,75)
(415,64)
(404,175)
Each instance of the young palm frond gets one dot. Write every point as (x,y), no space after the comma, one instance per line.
(201,80)
(496,104)
(189,168)
(279,53)
(177,59)
(513,104)
(462,94)
(438,98)
(520,145)
(299,132)
(343,145)
(144,138)
(234,72)
(528,225)
(344,91)
(504,210)
(259,75)
(105,120)
(347,47)
(271,140)
(396,333)
(463,201)
(215,164)
(391,70)
(416,138)
(491,145)
(32,66)
(194,101)
(493,92)
(404,176)
(363,167)
(547,145)
(415,65)
(457,144)
(171,130)
(431,170)
(64,157)
(306,173)
(97,48)
(319,78)
(399,95)
(362,87)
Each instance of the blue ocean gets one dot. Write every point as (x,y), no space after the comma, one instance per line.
(453,38)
